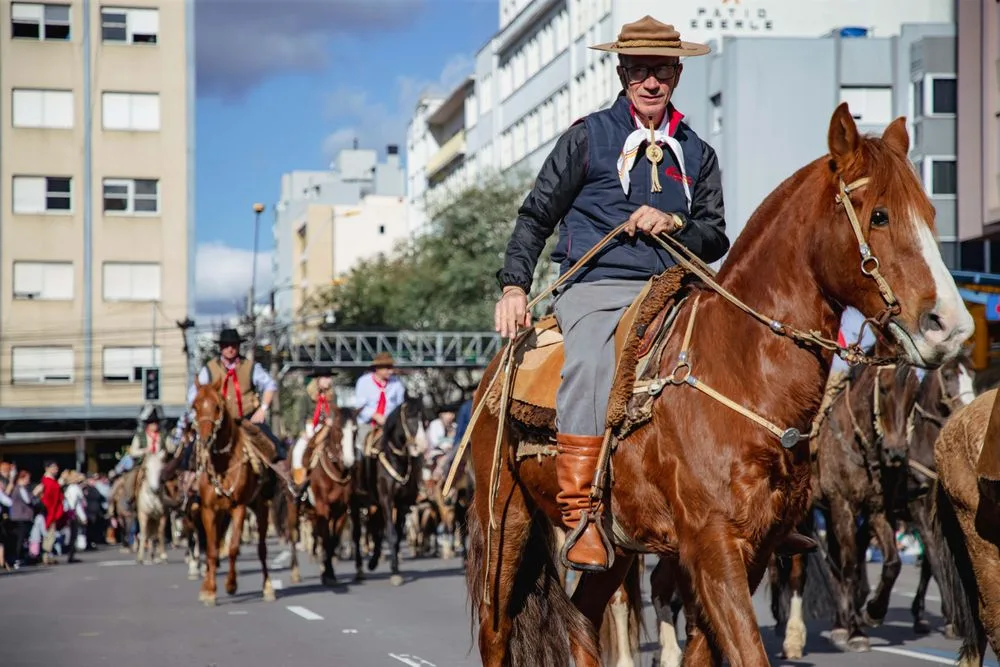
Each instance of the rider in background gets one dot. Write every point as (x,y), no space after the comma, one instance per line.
(376,394)
(246,386)
(321,401)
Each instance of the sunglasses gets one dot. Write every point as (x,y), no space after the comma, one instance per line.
(639,73)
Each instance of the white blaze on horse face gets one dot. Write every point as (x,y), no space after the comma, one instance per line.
(966,392)
(154,466)
(347,443)
(954,322)
(419,441)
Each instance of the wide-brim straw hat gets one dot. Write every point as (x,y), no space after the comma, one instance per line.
(649,37)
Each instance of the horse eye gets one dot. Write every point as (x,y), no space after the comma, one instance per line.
(880,217)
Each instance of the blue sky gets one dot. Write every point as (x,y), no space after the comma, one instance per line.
(282,84)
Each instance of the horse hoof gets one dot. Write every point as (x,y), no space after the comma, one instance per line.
(329,579)
(838,638)
(192,576)
(231,588)
(269,595)
(871,621)
(206,598)
(791,654)
(921,627)
(859,644)
(296,578)
(396,580)
(372,564)
(949,632)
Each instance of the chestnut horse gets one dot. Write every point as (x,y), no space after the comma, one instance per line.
(709,490)
(233,477)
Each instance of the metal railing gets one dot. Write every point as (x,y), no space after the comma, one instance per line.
(409,349)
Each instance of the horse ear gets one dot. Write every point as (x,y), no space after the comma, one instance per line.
(843,137)
(896,137)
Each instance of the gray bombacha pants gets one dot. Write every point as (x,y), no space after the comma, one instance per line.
(588,314)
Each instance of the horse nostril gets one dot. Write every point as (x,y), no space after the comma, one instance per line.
(931,321)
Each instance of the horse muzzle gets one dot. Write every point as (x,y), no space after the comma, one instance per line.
(938,339)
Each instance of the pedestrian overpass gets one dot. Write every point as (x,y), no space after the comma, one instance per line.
(345,350)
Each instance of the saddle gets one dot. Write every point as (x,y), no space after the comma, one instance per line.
(538,360)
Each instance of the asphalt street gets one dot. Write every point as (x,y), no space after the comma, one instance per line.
(107,610)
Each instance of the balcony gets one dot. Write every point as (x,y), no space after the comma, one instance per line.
(452,149)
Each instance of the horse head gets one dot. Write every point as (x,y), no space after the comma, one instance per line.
(153,467)
(952,385)
(405,428)
(344,420)
(210,411)
(875,249)
(895,394)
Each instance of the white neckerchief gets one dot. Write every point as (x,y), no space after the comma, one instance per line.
(626,159)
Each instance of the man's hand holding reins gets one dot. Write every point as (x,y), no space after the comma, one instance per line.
(652,221)
(511,312)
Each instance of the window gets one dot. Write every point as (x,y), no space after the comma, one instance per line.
(870,106)
(562,110)
(131,195)
(41,365)
(942,95)
(129,26)
(131,111)
(38,21)
(43,281)
(940,176)
(42,194)
(43,108)
(131,281)
(119,363)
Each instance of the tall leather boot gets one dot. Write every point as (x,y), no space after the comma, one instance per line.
(576,461)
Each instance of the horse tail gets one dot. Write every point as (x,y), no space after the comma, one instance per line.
(955,577)
(541,614)
(819,590)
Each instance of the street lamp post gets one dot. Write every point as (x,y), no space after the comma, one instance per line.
(258,208)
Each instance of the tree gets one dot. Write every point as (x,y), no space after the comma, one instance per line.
(444,279)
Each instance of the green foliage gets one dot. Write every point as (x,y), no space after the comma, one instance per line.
(445,279)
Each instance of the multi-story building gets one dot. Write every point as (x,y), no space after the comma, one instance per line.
(436,150)
(979,133)
(536,76)
(328,221)
(96,217)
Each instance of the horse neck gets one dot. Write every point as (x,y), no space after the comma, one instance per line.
(730,344)
(925,431)
(229,433)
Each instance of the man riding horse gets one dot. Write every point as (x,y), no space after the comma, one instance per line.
(243,383)
(377,393)
(589,184)
(147,440)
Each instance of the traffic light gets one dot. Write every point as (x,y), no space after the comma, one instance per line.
(151,384)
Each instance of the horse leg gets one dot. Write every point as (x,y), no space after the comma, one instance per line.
(235,539)
(378,523)
(261,511)
(592,595)
(212,524)
(847,633)
(163,522)
(878,606)
(663,586)
(359,570)
(722,584)
(395,520)
(292,525)
(141,552)
(794,644)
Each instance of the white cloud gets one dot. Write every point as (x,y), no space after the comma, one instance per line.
(377,122)
(241,43)
(223,275)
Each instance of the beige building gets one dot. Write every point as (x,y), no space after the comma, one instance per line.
(979,130)
(96,212)
(328,221)
(330,240)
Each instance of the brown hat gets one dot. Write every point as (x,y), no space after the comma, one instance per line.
(649,37)
(383,360)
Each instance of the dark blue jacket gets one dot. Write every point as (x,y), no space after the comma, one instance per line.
(578,189)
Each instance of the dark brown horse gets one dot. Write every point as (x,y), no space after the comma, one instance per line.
(331,487)
(862,473)
(942,393)
(709,490)
(234,477)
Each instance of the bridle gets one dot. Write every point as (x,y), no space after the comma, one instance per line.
(402,452)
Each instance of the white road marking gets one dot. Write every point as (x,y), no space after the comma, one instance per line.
(305,613)
(238,613)
(349,631)
(412,660)
(915,655)
(115,563)
(276,584)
